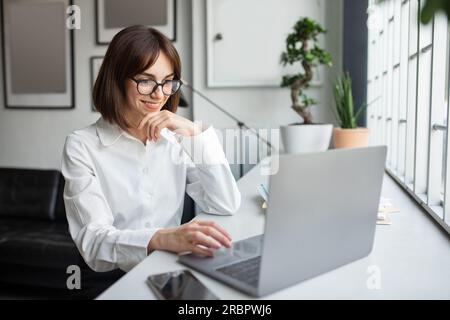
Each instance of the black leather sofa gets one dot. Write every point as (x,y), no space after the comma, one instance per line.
(35,244)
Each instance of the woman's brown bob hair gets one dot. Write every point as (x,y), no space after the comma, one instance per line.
(132,51)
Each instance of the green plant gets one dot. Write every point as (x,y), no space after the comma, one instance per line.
(431,7)
(299,50)
(343,98)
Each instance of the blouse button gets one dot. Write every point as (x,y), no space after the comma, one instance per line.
(145,170)
(179,138)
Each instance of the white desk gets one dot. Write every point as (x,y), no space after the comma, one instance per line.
(412,254)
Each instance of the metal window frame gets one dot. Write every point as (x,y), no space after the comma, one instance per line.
(384,113)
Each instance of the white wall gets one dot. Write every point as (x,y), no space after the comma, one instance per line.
(267,107)
(34,138)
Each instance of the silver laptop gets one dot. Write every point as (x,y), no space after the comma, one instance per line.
(322,214)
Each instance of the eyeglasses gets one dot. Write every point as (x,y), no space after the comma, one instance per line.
(148,86)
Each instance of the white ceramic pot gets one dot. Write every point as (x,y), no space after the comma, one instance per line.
(306,138)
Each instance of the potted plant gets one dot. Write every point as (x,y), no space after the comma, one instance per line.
(302,48)
(431,7)
(348,135)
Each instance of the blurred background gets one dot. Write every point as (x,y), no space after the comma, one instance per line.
(241,72)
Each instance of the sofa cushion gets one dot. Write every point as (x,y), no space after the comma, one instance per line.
(29,193)
(60,210)
(37,243)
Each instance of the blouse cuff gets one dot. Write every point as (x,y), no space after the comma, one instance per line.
(133,247)
(204,148)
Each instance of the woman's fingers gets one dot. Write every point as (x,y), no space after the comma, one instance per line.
(199,238)
(155,118)
(202,251)
(156,126)
(216,234)
(155,123)
(145,119)
(216,226)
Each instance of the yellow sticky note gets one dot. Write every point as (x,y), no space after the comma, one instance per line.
(385,221)
(389,210)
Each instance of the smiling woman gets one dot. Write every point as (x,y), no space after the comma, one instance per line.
(127,174)
(130,54)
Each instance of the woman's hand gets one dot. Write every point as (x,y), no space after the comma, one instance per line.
(200,237)
(155,122)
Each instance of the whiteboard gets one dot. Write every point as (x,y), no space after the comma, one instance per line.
(253,34)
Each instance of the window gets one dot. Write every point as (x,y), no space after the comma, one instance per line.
(403,88)
(409,82)
(412,93)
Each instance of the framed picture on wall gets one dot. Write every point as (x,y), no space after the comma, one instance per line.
(96,63)
(114,15)
(37,50)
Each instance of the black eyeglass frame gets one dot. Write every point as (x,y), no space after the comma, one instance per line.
(157,84)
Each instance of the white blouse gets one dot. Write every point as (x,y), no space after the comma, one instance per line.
(119,192)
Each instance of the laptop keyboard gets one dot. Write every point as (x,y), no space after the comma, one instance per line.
(246,271)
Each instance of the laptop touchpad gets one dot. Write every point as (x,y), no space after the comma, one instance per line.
(240,250)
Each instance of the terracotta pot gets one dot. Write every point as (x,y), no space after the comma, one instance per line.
(350,138)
